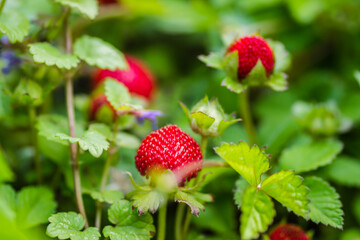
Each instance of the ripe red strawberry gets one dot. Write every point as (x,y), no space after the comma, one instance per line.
(250,50)
(138,78)
(169,148)
(288,232)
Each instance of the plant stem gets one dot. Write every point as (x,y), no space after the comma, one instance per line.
(246,114)
(2,4)
(161,231)
(105,174)
(214,164)
(203,145)
(178,220)
(71,119)
(32,116)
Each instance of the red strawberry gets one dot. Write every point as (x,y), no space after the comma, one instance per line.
(250,50)
(169,148)
(96,103)
(288,232)
(138,78)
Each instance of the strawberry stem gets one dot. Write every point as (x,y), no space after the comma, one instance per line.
(71,118)
(246,114)
(161,231)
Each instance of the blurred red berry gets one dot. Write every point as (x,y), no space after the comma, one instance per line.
(169,148)
(107,1)
(288,232)
(138,78)
(96,103)
(250,50)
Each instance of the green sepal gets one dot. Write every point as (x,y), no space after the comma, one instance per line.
(214,60)
(250,163)
(147,201)
(277,81)
(194,200)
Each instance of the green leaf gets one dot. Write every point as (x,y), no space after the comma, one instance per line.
(357,76)
(310,156)
(97,52)
(250,163)
(324,205)
(7,202)
(15,25)
(46,53)
(108,196)
(351,234)
(34,206)
(127,140)
(288,189)
(146,201)
(28,92)
(86,7)
(213,60)
(90,233)
(102,129)
(277,82)
(345,171)
(50,125)
(91,141)
(118,95)
(6,174)
(129,225)
(65,225)
(240,186)
(257,213)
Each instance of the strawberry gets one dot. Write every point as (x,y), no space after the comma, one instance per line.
(288,232)
(250,49)
(169,148)
(138,78)
(97,102)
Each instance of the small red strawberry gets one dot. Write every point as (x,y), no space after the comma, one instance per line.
(96,103)
(169,148)
(138,78)
(288,232)
(250,49)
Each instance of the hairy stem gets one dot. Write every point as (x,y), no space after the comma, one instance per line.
(161,231)
(178,220)
(32,116)
(2,4)
(71,118)
(105,175)
(246,114)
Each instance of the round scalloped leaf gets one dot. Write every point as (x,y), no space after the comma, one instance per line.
(325,205)
(258,213)
(310,156)
(87,7)
(96,52)
(15,25)
(46,53)
(63,225)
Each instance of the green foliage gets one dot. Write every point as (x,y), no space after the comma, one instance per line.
(257,213)
(91,141)
(310,156)
(324,205)
(6,174)
(86,7)
(128,224)
(345,171)
(15,25)
(108,196)
(69,225)
(97,52)
(118,95)
(28,92)
(250,163)
(287,188)
(30,207)
(51,56)
(240,186)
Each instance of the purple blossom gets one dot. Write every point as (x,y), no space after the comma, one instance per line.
(11,61)
(150,115)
